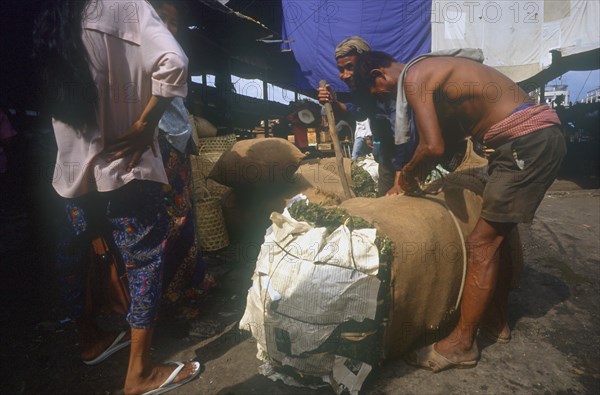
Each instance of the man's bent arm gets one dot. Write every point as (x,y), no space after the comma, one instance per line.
(431,144)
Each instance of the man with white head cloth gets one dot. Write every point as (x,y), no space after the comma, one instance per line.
(379,116)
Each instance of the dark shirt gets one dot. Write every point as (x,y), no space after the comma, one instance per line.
(382,118)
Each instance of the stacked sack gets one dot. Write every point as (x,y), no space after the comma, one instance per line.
(260,172)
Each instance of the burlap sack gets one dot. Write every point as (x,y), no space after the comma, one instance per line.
(471,173)
(202,127)
(257,163)
(429,262)
(322,175)
(247,212)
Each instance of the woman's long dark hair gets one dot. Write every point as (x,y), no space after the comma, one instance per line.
(58,48)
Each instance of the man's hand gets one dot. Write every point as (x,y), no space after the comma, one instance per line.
(404,183)
(325,95)
(136,140)
(395,190)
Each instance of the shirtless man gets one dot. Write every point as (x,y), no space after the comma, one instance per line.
(453,98)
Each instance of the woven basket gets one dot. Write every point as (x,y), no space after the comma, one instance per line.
(216,144)
(216,189)
(210,223)
(202,165)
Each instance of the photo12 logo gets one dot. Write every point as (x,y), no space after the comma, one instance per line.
(118,11)
(486,11)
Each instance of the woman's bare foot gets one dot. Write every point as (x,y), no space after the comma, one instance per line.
(141,383)
(94,341)
(92,348)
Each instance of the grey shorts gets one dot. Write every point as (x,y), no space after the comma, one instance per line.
(520,172)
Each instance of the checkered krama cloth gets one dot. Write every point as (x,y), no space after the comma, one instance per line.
(521,123)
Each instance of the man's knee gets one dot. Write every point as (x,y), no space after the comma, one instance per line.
(479,239)
(482,247)
(486,232)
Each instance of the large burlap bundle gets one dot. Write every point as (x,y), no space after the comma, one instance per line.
(257,163)
(429,262)
(418,290)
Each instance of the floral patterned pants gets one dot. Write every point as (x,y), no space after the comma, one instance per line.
(136,218)
(184,266)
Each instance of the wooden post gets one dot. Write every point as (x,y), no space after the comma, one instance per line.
(339,158)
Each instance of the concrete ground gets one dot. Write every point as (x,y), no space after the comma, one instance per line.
(554,316)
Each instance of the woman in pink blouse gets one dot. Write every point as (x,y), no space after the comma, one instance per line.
(111,69)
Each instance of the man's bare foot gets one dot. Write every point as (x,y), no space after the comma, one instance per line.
(494,325)
(431,358)
(496,332)
(140,383)
(457,352)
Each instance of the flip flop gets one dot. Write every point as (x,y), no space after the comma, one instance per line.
(168,385)
(113,348)
(428,358)
(494,338)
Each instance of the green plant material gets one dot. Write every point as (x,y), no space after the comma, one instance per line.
(332,218)
(363,184)
(385,246)
(320,216)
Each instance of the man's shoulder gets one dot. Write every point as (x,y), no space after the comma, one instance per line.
(432,63)
(430,70)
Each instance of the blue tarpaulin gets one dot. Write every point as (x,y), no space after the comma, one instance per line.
(314,27)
